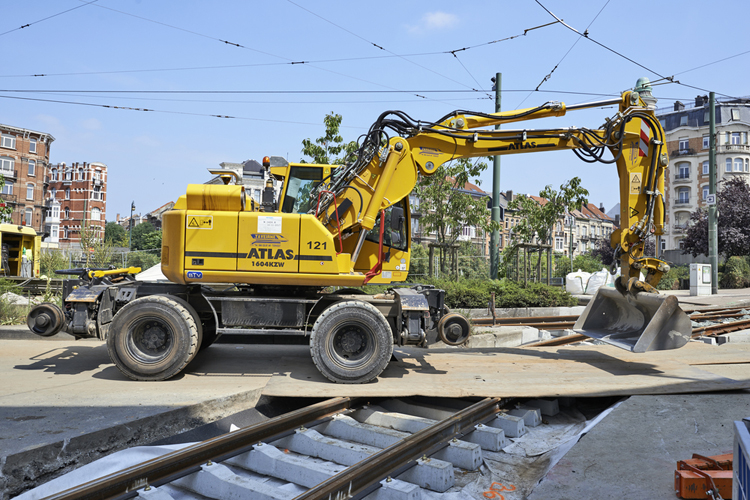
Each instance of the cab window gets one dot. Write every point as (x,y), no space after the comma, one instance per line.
(391,238)
(299,185)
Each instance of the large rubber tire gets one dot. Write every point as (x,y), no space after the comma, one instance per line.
(184,303)
(351,342)
(152,338)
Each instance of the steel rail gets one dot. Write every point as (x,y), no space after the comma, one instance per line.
(568,339)
(721,328)
(161,470)
(522,320)
(362,475)
(712,317)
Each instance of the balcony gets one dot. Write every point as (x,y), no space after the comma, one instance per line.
(680,228)
(681,202)
(733,148)
(683,178)
(9,198)
(682,152)
(9,174)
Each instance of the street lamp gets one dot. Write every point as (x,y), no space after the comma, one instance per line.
(130,226)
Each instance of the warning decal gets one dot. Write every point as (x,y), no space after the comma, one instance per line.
(635,183)
(633,212)
(200,221)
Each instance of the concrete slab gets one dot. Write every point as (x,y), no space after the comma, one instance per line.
(531,372)
(633,452)
(63,404)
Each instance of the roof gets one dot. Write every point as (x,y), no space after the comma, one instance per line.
(598,213)
(470,188)
(252,167)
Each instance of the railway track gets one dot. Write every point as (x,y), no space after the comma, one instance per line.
(339,448)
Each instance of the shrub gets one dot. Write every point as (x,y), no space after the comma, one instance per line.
(51,260)
(736,273)
(671,279)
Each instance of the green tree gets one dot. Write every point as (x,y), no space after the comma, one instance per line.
(115,234)
(146,237)
(331,148)
(446,209)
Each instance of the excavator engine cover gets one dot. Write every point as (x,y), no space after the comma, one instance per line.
(637,323)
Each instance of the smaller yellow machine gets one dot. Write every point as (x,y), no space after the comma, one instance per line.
(20,251)
(261,269)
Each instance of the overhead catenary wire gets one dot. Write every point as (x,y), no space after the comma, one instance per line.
(27,25)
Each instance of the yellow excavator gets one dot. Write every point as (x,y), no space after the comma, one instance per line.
(237,266)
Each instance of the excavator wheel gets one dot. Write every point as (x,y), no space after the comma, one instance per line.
(351,342)
(152,338)
(454,329)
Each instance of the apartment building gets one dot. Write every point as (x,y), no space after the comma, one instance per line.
(24,156)
(76,198)
(576,231)
(686,178)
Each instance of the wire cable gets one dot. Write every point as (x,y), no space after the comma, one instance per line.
(48,17)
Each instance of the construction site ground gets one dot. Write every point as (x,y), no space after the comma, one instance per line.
(63,403)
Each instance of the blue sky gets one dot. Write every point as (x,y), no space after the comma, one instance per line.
(179,46)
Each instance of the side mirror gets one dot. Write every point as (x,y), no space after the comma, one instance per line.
(397,218)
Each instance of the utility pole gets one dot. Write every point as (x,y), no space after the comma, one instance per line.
(713,235)
(130,226)
(495,238)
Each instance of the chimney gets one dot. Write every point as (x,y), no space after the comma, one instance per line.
(678,106)
(509,195)
(699,101)
(117,218)
(601,207)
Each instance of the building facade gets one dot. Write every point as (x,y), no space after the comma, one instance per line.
(76,199)
(687,177)
(24,157)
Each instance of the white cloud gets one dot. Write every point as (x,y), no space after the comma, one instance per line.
(434,21)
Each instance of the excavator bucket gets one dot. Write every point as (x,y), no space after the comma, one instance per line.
(637,323)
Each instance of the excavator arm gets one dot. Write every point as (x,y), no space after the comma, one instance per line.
(389,173)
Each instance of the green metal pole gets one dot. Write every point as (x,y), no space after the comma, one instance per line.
(713,235)
(495,238)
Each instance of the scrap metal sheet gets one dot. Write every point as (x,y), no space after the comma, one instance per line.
(532,372)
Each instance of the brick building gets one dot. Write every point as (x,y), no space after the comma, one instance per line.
(24,156)
(76,193)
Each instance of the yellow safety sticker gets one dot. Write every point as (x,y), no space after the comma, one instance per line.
(635,182)
(200,221)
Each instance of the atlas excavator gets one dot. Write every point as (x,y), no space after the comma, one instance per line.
(289,267)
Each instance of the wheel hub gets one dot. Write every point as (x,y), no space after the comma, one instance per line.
(351,340)
(154,337)
(453,331)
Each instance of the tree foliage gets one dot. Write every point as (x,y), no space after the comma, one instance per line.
(115,234)
(146,237)
(537,219)
(445,208)
(5,210)
(733,203)
(329,149)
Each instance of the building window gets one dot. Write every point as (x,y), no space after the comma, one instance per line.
(7,164)
(706,169)
(8,141)
(584,231)
(747,165)
(559,244)
(97,193)
(28,215)
(735,114)
(728,167)
(96,175)
(706,117)
(663,243)
(80,174)
(684,142)
(67,193)
(65,232)
(54,231)
(684,172)
(29,191)
(706,142)
(69,174)
(7,188)
(55,211)
(705,192)
(736,138)
(53,175)
(738,164)
(683,121)
(67,212)
(32,167)
(683,195)
(96,214)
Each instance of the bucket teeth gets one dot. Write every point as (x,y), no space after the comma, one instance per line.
(638,323)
